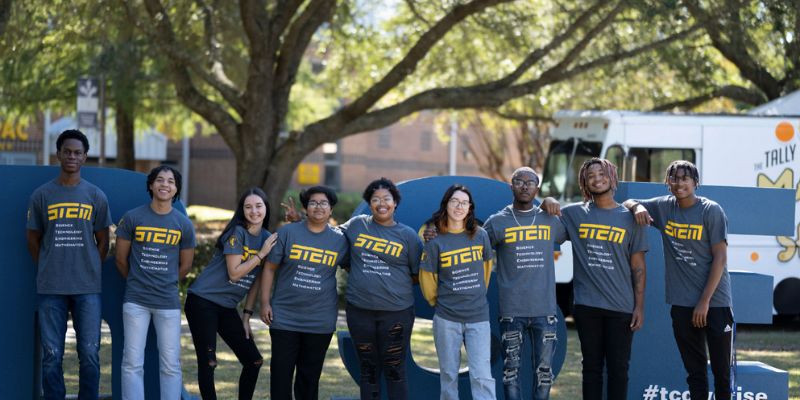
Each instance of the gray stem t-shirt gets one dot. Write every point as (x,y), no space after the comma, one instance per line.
(68,217)
(603,241)
(214,284)
(304,298)
(688,235)
(154,260)
(459,263)
(524,243)
(382,260)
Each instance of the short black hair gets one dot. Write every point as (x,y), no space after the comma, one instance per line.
(382,183)
(151,177)
(688,168)
(305,195)
(72,134)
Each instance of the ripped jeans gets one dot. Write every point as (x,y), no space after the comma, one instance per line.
(53,310)
(206,319)
(541,331)
(382,339)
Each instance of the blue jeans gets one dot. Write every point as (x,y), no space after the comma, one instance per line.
(136,322)
(541,331)
(477,338)
(85,309)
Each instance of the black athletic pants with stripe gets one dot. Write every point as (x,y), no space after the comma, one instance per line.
(692,342)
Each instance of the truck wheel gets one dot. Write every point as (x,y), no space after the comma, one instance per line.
(786,298)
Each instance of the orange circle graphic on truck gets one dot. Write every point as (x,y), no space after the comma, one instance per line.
(784,131)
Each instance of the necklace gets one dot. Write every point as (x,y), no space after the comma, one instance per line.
(534,209)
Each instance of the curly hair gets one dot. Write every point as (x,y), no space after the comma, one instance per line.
(609,169)
(687,167)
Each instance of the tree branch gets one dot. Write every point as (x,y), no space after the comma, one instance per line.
(412,6)
(731,42)
(215,57)
(554,73)
(175,52)
(538,54)
(186,91)
(738,93)
(293,49)
(478,96)
(409,63)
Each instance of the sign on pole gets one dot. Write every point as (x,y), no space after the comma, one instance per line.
(88,101)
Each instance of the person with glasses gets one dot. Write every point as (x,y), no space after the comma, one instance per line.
(524,237)
(694,233)
(301,310)
(454,277)
(384,263)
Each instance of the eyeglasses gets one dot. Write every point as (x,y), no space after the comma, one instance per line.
(518,183)
(680,179)
(455,203)
(378,200)
(318,204)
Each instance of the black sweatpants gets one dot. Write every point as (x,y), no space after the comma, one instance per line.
(303,353)
(692,342)
(206,319)
(606,339)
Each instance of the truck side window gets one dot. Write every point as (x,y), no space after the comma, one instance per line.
(651,163)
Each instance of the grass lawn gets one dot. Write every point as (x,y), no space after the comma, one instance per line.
(774,346)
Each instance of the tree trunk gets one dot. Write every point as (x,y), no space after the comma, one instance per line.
(125,97)
(125,124)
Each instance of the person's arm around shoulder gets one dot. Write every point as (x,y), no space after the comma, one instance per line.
(551,206)
(640,213)
(238,268)
(639,278)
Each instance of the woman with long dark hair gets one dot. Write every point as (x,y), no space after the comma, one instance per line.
(211,303)
(454,276)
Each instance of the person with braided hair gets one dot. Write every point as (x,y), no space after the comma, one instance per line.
(609,279)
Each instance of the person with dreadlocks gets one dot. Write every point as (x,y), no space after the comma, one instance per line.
(694,233)
(609,279)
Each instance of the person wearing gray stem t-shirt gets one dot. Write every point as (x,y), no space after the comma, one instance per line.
(302,312)
(155,248)
(232,274)
(67,234)
(384,263)
(608,248)
(454,276)
(694,233)
(524,237)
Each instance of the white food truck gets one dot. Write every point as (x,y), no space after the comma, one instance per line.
(731,150)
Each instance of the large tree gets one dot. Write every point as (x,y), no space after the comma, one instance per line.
(48,45)
(760,38)
(274,37)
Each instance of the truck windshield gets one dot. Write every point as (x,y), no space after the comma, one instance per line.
(560,178)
